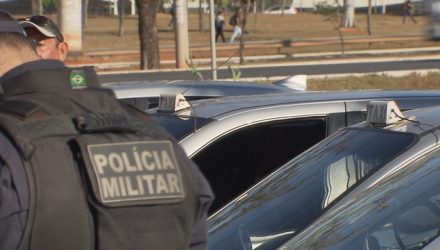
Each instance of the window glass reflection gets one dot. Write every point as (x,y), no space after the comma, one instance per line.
(288,200)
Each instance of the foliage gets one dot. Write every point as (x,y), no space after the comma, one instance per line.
(193,69)
(235,73)
(333,15)
(325,9)
(50,5)
(197,75)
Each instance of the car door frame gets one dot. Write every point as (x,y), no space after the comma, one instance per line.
(231,122)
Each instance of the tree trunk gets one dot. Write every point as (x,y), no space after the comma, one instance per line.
(200,16)
(85,12)
(148,37)
(283,3)
(348,19)
(121,17)
(369,18)
(37,7)
(243,29)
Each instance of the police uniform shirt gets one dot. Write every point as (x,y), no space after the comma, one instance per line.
(13,182)
(30,66)
(13,196)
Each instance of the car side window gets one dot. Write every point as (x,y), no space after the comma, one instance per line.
(336,121)
(240,159)
(141,103)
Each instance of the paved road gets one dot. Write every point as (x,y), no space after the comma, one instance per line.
(283,70)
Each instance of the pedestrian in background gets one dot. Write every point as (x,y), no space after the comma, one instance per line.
(235,22)
(49,41)
(173,15)
(79,170)
(219,24)
(409,10)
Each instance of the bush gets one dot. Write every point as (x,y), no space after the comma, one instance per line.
(50,5)
(325,9)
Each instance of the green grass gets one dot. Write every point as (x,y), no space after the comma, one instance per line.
(427,81)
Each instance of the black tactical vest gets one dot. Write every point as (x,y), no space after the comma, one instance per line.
(101,175)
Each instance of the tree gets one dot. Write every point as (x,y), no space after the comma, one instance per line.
(85,12)
(283,3)
(121,17)
(348,19)
(201,15)
(333,15)
(245,8)
(148,37)
(37,7)
(369,18)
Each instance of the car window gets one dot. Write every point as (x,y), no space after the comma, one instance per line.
(292,197)
(141,103)
(400,212)
(240,159)
(177,126)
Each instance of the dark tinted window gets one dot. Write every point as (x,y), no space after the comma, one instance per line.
(179,127)
(400,212)
(240,159)
(295,195)
(141,103)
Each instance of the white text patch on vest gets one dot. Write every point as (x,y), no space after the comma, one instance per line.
(143,171)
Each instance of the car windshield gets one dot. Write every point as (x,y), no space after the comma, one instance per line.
(296,194)
(400,212)
(179,126)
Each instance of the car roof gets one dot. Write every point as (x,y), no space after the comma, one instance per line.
(211,108)
(140,89)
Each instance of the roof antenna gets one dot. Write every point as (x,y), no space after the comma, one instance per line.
(296,82)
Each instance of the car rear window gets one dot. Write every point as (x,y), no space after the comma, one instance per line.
(179,126)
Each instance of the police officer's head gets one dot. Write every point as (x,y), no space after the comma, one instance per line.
(15,47)
(50,41)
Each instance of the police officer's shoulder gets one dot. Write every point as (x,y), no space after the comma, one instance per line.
(82,77)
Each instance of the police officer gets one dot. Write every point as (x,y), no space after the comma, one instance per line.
(50,43)
(80,171)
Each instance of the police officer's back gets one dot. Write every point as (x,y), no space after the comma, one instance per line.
(80,171)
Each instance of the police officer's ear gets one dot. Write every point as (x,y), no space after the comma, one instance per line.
(63,49)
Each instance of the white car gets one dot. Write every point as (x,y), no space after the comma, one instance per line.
(238,140)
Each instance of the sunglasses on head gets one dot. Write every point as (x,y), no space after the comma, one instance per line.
(45,23)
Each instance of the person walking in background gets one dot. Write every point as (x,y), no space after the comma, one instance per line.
(219,23)
(49,41)
(408,11)
(235,21)
(173,15)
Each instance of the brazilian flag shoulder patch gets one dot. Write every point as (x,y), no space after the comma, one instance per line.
(78,79)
